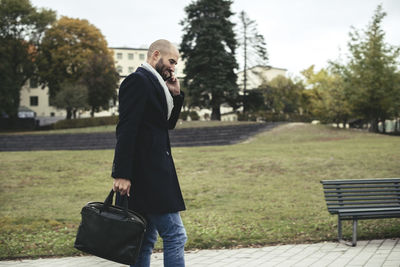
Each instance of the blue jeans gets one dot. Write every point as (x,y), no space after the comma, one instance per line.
(170,228)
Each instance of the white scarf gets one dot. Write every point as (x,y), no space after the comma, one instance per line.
(168,97)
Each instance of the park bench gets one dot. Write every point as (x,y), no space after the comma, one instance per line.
(362,199)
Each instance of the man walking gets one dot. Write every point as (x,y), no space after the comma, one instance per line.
(150,101)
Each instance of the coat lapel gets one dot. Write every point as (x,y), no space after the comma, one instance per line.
(160,91)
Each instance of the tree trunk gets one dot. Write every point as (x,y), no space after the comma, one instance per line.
(216,114)
(92,112)
(245,63)
(69,113)
(345,123)
(12,103)
(374,126)
(384,125)
(244,100)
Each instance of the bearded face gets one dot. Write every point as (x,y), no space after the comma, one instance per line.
(163,70)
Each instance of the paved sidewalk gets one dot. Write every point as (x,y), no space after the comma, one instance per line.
(366,253)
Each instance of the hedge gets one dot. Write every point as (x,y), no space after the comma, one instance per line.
(273,117)
(85,122)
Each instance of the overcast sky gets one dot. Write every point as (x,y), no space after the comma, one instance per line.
(298,33)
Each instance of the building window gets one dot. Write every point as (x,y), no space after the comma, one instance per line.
(119,69)
(130,56)
(34,100)
(119,55)
(141,56)
(131,69)
(33,83)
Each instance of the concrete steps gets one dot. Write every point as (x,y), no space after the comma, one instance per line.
(205,136)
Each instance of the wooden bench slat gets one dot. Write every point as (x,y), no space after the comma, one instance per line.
(370,213)
(368,216)
(338,207)
(358,189)
(362,181)
(336,194)
(362,186)
(365,202)
(362,191)
(346,198)
(370,210)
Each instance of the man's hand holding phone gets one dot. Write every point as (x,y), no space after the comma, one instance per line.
(173,85)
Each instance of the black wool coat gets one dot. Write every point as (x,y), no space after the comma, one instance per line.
(143,150)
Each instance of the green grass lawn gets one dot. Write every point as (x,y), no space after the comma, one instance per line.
(262,192)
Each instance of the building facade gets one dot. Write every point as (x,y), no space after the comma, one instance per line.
(127,60)
(258,75)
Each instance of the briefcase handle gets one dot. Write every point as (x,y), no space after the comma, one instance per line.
(109,200)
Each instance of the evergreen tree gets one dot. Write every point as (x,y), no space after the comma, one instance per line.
(208,47)
(252,45)
(254,51)
(372,74)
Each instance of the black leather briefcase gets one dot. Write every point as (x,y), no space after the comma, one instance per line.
(111,232)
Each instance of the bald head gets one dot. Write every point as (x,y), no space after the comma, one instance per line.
(163,46)
(163,56)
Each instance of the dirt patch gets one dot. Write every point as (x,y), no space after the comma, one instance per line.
(327,139)
(288,126)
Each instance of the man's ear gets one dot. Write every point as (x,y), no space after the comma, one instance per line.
(156,55)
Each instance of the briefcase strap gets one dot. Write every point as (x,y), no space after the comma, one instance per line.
(109,200)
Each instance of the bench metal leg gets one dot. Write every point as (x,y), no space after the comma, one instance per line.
(339,225)
(354,243)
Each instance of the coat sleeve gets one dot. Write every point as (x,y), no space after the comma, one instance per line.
(178,102)
(132,100)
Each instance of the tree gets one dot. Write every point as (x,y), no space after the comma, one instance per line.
(327,95)
(21,30)
(208,46)
(282,95)
(253,46)
(254,100)
(69,53)
(101,80)
(372,73)
(71,97)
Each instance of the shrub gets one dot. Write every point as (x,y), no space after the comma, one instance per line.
(85,122)
(184,115)
(194,116)
(273,117)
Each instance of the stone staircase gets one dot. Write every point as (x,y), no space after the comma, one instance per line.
(204,136)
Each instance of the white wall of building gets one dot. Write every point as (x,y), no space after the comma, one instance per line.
(259,74)
(127,60)
(37,99)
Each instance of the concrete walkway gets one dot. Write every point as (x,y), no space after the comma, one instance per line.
(366,253)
